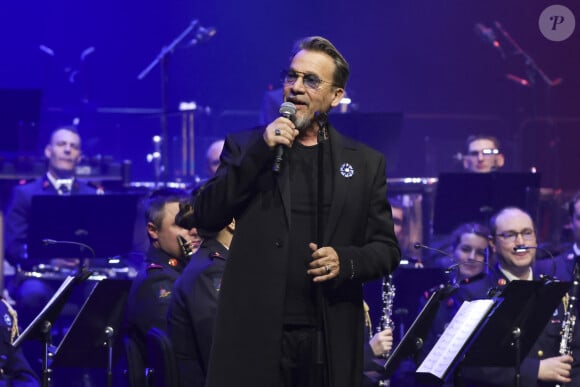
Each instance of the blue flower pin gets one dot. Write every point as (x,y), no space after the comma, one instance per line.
(346,170)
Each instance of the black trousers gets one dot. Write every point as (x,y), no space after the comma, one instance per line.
(303,362)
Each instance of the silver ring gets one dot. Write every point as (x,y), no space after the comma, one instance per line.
(277,132)
(327,267)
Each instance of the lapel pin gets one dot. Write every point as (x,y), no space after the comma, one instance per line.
(346,170)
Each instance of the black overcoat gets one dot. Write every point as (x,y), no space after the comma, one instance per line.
(247,340)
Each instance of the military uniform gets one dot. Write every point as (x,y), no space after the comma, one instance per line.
(15,371)
(193,309)
(545,346)
(562,268)
(150,294)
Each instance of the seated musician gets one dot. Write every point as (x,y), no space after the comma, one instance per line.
(63,153)
(512,230)
(469,243)
(483,154)
(193,306)
(14,368)
(563,268)
(375,351)
(171,247)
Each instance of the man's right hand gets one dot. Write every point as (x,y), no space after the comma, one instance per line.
(280,131)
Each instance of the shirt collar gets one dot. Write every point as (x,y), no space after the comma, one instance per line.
(58,183)
(510,277)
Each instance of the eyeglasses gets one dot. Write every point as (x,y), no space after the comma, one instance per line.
(484,152)
(527,235)
(311,81)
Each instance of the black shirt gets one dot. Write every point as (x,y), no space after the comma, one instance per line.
(300,300)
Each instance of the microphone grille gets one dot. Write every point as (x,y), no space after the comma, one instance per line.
(287,109)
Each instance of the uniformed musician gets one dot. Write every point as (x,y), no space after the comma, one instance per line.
(165,260)
(512,230)
(14,368)
(193,307)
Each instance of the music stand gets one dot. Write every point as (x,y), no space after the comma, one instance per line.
(414,339)
(41,326)
(82,219)
(89,341)
(509,331)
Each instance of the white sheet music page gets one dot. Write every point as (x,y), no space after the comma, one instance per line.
(459,330)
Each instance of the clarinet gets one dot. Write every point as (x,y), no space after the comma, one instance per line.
(386,321)
(569,321)
(388,296)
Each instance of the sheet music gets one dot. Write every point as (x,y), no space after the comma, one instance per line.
(459,330)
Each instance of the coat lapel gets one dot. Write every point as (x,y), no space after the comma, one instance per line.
(340,188)
(283,181)
(339,156)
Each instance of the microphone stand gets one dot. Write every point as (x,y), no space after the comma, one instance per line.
(532,71)
(533,68)
(162,60)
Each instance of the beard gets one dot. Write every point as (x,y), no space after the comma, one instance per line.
(303,123)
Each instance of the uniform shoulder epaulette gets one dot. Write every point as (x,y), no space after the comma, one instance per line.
(467,280)
(214,254)
(152,266)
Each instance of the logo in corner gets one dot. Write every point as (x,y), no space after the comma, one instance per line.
(557,23)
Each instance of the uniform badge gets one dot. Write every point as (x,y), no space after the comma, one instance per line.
(7,320)
(346,170)
(164,293)
(501,282)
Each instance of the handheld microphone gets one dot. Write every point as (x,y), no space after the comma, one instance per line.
(287,110)
(48,242)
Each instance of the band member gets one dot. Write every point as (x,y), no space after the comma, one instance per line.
(193,306)
(150,291)
(483,154)
(63,153)
(512,231)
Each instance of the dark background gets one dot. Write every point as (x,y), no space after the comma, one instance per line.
(420,58)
